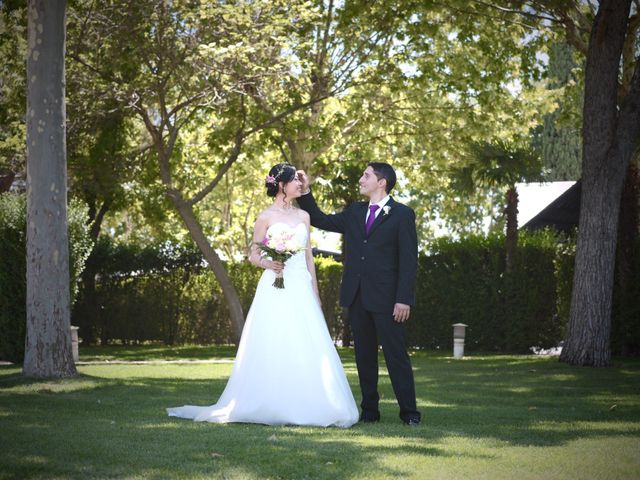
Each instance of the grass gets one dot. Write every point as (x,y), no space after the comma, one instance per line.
(156,352)
(485,417)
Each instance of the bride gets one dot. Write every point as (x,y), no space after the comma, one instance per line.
(287,370)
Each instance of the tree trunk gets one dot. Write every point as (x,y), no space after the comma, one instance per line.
(511,245)
(610,132)
(299,156)
(511,238)
(212,258)
(185,210)
(48,342)
(6,180)
(628,227)
(626,264)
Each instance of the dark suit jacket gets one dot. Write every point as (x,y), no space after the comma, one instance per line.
(384,264)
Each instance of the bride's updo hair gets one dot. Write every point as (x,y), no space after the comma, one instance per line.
(282,172)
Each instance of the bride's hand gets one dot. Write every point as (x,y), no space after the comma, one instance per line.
(272,265)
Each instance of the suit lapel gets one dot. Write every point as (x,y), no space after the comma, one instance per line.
(362,213)
(382,216)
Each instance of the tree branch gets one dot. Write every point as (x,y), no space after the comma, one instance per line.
(185,103)
(102,75)
(286,112)
(628,129)
(518,12)
(322,51)
(492,17)
(573,34)
(628,54)
(233,156)
(346,132)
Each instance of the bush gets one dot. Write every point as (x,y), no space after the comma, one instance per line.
(137,292)
(13,281)
(165,293)
(625,323)
(12,276)
(625,315)
(464,281)
(329,275)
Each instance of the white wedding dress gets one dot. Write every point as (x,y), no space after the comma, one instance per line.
(287,370)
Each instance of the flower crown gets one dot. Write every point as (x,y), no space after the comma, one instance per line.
(271,179)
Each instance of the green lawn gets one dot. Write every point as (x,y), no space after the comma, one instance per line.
(493,417)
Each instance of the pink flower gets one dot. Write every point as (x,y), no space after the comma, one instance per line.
(270,179)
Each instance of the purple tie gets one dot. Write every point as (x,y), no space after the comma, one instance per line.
(371,219)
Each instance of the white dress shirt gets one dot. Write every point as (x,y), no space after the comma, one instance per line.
(380,204)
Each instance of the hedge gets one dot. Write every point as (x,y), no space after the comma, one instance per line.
(464,281)
(13,281)
(165,293)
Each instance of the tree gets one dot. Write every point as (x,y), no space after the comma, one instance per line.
(198,67)
(608,39)
(13,24)
(102,157)
(611,128)
(560,140)
(460,76)
(48,343)
(500,164)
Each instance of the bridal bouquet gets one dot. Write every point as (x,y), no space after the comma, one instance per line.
(280,246)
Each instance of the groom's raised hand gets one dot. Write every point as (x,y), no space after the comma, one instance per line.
(304,181)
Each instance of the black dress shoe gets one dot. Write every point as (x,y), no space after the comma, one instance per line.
(370,417)
(412,422)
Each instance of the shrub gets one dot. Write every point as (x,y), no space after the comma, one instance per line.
(13,281)
(464,281)
(165,293)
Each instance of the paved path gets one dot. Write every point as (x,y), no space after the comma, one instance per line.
(153,362)
(145,362)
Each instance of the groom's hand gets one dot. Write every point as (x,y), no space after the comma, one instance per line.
(401,312)
(304,181)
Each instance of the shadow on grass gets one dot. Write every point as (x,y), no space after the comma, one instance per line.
(120,428)
(93,426)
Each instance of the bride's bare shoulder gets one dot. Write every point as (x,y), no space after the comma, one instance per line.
(265,216)
(303,216)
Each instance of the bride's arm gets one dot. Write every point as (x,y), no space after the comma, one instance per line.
(311,266)
(255,257)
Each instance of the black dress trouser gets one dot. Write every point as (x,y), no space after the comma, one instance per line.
(369,330)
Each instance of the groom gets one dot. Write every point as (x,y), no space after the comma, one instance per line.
(378,283)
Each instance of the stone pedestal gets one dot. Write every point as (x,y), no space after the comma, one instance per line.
(74,343)
(458,348)
(459,330)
